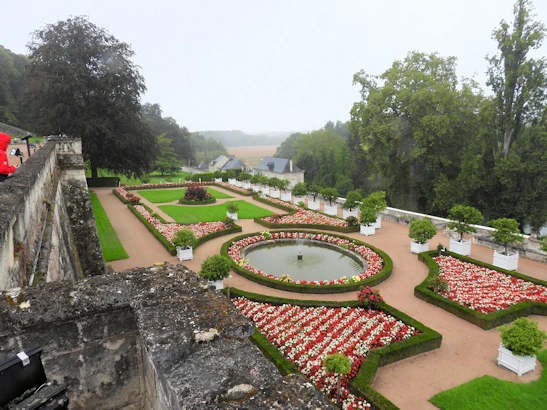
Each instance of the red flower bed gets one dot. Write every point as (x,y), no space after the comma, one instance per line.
(307,335)
(374,261)
(485,290)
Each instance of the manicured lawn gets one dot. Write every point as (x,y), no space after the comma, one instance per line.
(111,245)
(169,195)
(155,177)
(489,393)
(193,213)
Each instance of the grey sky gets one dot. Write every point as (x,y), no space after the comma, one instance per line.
(271,65)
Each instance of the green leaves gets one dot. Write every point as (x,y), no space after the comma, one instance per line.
(421,230)
(506,231)
(523,337)
(462,217)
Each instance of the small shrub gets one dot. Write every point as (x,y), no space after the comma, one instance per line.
(369,298)
(215,267)
(301,204)
(229,221)
(523,337)
(145,178)
(352,221)
(300,189)
(462,217)
(184,238)
(329,194)
(352,199)
(232,207)
(338,364)
(421,230)
(437,284)
(196,192)
(266,234)
(506,232)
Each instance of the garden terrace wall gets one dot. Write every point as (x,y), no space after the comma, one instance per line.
(427,340)
(303,288)
(483,320)
(47,230)
(168,245)
(129,340)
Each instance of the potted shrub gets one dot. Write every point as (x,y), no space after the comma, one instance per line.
(218,176)
(184,240)
(273,183)
(338,364)
(231,210)
(232,177)
(350,206)
(520,344)
(215,269)
(329,195)
(506,233)
(377,201)
(263,181)
(299,191)
(461,217)
(314,191)
(367,218)
(255,182)
(245,179)
(421,231)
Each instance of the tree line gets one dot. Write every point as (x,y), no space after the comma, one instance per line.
(431,140)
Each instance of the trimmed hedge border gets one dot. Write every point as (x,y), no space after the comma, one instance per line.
(302,288)
(291,211)
(426,341)
(204,202)
(168,245)
(483,320)
(121,198)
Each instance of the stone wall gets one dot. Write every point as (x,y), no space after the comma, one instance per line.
(148,338)
(47,230)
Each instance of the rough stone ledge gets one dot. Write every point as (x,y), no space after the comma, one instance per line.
(170,304)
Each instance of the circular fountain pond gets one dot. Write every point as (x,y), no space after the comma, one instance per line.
(304,259)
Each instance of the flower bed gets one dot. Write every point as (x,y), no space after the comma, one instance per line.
(379,264)
(125,197)
(203,231)
(485,290)
(306,335)
(230,187)
(480,293)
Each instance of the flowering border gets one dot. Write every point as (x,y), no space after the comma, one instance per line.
(379,271)
(483,320)
(361,385)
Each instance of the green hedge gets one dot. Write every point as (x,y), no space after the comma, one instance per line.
(168,245)
(483,320)
(427,340)
(121,198)
(301,288)
(291,211)
(205,177)
(204,202)
(103,182)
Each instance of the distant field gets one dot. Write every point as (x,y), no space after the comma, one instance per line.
(252,155)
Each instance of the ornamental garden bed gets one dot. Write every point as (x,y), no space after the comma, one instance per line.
(236,189)
(480,293)
(164,231)
(379,264)
(169,195)
(298,334)
(126,197)
(299,217)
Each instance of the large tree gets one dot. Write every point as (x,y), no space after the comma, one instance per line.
(519,82)
(82,82)
(12,80)
(414,121)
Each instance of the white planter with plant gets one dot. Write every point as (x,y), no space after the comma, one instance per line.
(367,217)
(520,344)
(367,230)
(298,199)
(330,209)
(218,180)
(231,210)
(232,181)
(299,191)
(347,213)
(329,197)
(376,201)
(255,187)
(215,269)
(506,233)
(266,190)
(286,196)
(314,205)
(461,217)
(275,193)
(353,198)
(421,231)
(184,240)
(378,223)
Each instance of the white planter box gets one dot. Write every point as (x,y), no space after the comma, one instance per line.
(518,364)
(274,193)
(462,248)
(185,254)
(378,223)
(331,209)
(255,188)
(233,216)
(367,230)
(286,196)
(298,199)
(232,181)
(416,247)
(218,284)
(218,179)
(246,184)
(314,205)
(346,213)
(509,262)
(266,190)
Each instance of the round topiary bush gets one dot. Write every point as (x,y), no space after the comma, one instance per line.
(421,230)
(523,337)
(184,238)
(215,267)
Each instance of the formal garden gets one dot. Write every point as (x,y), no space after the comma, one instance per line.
(359,335)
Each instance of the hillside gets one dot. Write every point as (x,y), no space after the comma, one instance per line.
(238,138)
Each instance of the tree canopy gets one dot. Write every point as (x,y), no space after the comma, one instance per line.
(82,82)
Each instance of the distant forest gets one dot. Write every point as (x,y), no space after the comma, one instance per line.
(240,139)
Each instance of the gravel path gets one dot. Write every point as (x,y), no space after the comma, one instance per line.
(467,351)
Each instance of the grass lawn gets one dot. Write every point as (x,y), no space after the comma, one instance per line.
(194,213)
(155,177)
(168,195)
(111,245)
(489,393)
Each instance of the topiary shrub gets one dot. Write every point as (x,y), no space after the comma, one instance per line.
(314,191)
(338,364)
(506,232)
(300,189)
(421,230)
(184,238)
(352,221)
(329,194)
(196,193)
(215,267)
(352,199)
(461,217)
(523,337)
(232,207)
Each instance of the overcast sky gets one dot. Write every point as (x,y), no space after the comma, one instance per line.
(258,65)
